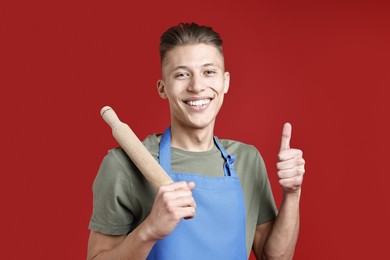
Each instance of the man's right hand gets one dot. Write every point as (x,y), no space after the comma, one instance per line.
(173,202)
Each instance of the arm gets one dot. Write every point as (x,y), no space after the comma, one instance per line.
(136,245)
(277,240)
(173,202)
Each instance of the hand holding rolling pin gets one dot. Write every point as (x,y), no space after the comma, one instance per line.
(173,201)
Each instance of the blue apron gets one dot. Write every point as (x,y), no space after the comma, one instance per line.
(218,229)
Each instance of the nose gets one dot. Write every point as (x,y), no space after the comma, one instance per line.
(196,84)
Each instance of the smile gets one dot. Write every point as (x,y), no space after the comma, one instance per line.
(198,103)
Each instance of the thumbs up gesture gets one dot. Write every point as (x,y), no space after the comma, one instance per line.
(291,165)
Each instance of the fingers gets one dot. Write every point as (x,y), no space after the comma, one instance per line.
(191,185)
(286,136)
(291,178)
(173,203)
(291,173)
(291,165)
(176,196)
(289,161)
(289,154)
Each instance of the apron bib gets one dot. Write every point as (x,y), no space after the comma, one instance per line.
(218,229)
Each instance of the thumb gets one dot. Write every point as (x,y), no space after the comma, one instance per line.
(191,185)
(286,136)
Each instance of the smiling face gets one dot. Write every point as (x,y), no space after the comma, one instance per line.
(194,82)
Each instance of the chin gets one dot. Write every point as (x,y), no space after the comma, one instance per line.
(201,124)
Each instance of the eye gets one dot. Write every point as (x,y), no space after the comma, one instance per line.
(210,72)
(181,75)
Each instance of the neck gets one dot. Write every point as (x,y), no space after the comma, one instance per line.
(192,139)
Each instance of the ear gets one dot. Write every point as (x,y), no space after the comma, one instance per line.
(161,89)
(226,77)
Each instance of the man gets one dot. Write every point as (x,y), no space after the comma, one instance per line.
(220,205)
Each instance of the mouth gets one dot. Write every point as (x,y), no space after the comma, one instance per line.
(200,103)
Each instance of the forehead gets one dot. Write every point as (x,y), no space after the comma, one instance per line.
(193,55)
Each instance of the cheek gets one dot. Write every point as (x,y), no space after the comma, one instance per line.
(218,86)
(174,92)
(170,89)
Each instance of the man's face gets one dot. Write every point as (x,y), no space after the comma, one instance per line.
(194,82)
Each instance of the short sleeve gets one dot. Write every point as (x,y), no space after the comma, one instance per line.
(267,209)
(112,214)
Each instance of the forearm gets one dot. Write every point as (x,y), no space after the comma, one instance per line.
(136,245)
(284,234)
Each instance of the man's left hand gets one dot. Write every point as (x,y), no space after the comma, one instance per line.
(291,165)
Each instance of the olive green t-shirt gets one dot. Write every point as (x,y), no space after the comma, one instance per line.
(122,197)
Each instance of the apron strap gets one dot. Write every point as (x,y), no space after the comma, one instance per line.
(165,151)
(228,167)
(165,155)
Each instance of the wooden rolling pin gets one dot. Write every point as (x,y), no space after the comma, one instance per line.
(133,147)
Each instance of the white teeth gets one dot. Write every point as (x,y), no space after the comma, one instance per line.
(198,103)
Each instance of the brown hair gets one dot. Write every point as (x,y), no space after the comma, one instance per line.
(188,34)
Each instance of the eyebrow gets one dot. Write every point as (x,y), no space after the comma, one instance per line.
(204,65)
(179,67)
(210,64)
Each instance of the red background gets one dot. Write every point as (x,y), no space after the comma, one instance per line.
(322,66)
